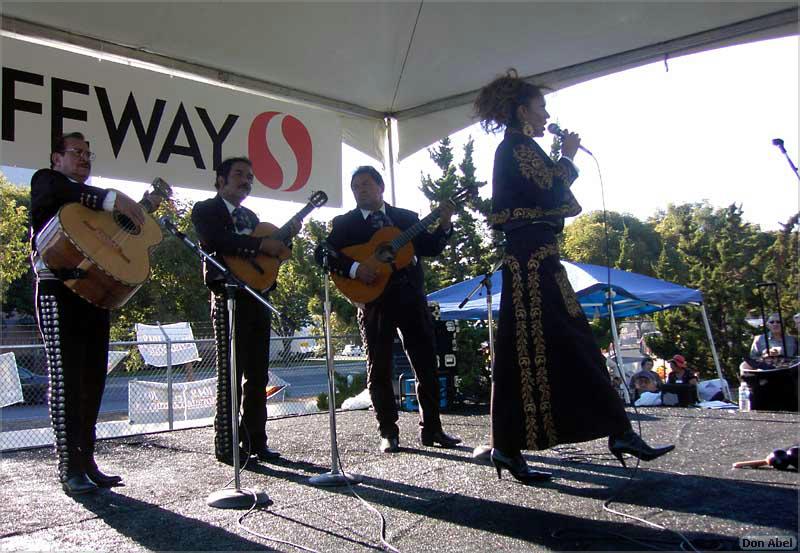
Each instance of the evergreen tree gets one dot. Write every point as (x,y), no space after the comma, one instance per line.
(16,276)
(471,251)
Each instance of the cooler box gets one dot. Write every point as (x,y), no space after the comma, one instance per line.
(408,394)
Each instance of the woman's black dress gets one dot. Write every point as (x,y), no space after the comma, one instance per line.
(550,383)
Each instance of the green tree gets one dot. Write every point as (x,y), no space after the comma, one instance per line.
(715,251)
(781,263)
(584,241)
(14,224)
(471,251)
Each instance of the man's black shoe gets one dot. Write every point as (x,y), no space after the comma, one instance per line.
(78,484)
(390,445)
(228,459)
(104,480)
(439,437)
(266,454)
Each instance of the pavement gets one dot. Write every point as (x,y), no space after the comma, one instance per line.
(432,499)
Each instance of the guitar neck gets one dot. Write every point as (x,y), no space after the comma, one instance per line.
(284,232)
(411,232)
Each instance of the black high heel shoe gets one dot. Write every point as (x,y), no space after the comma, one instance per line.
(633,444)
(518,468)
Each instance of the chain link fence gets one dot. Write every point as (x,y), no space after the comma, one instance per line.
(162,381)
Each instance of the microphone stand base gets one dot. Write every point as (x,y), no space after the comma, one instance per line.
(231,498)
(330,479)
(483,454)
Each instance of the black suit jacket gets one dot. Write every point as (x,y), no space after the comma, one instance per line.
(351,229)
(50,190)
(218,236)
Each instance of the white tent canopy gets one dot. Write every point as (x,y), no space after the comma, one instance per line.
(419,63)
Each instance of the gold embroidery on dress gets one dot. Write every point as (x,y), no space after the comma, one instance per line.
(533,167)
(569,209)
(570,299)
(539,345)
(523,359)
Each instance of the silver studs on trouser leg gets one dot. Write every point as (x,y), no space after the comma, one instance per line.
(223,432)
(49,326)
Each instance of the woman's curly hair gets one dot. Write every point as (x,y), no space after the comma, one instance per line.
(497,102)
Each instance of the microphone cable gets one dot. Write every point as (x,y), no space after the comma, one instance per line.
(575,454)
(620,365)
(385,544)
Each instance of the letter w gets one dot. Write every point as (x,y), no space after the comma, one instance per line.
(117,133)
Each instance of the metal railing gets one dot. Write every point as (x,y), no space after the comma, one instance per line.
(141,398)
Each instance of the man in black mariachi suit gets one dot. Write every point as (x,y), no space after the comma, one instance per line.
(224,227)
(402,306)
(74,331)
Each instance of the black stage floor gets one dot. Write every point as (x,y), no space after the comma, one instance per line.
(433,499)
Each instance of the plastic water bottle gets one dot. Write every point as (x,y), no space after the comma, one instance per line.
(744,397)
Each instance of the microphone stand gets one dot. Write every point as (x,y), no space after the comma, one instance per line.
(483,452)
(779,143)
(336,476)
(238,497)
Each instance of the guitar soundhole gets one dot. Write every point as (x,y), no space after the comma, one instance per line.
(125,223)
(385,253)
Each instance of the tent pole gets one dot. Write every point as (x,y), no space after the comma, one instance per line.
(617,348)
(389,128)
(725,389)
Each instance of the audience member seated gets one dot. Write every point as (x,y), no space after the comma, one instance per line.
(644,384)
(760,349)
(646,370)
(645,379)
(679,372)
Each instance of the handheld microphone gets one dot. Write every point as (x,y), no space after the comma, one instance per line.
(552,128)
(779,143)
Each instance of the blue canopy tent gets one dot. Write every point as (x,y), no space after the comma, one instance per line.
(633,294)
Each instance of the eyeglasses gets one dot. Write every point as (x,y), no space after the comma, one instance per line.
(773,322)
(85,154)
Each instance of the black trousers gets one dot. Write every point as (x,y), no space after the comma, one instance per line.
(75,335)
(252,331)
(403,309)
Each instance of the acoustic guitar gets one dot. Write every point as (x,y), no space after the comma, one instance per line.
(389,250)
(261,271)
(105,253)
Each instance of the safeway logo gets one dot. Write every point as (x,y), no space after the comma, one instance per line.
(266,167)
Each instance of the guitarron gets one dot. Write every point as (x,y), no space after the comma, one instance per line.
(260,272)
(106,252)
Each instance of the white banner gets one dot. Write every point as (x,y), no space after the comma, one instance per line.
(148,403)
(10,386)
(143,124)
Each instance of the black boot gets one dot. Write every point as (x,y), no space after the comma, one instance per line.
(100,478)
(630,442)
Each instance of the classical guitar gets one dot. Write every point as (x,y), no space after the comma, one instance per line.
(389,250)
(261,271)
(106,255)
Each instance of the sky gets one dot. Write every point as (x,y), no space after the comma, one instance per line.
(701,130)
